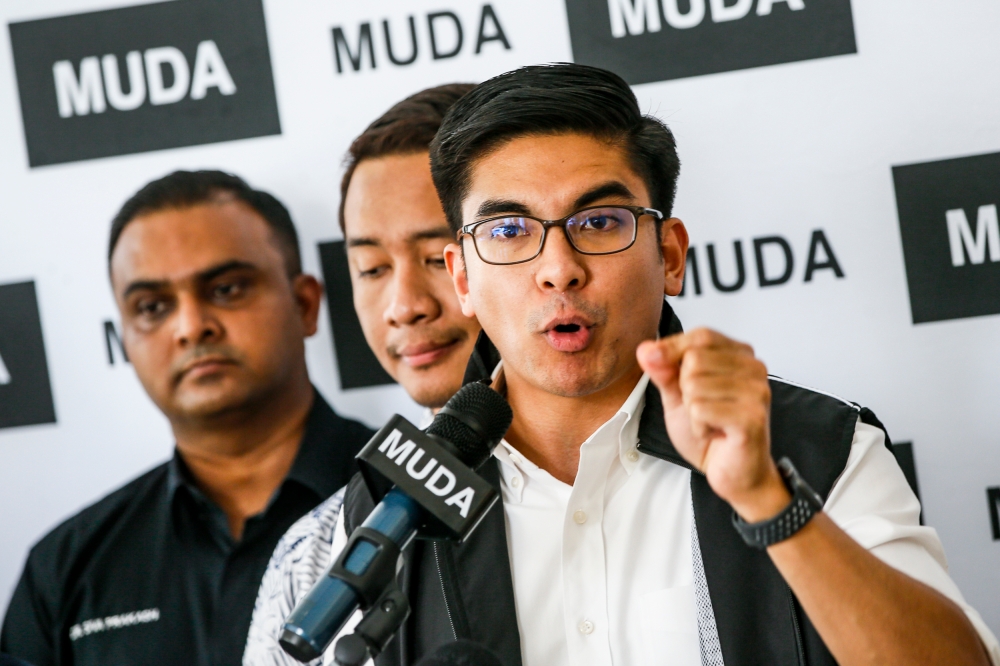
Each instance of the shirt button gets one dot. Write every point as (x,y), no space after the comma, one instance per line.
(632,455)
(516,482)
(586,627)
(580,518)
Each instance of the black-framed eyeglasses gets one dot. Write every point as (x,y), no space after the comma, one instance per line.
(515,239)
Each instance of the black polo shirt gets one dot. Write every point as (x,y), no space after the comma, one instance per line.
(151,575)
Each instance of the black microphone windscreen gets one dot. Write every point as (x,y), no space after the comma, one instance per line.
(460,653)
(474,421)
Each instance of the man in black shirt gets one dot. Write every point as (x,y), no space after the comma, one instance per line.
(215,309)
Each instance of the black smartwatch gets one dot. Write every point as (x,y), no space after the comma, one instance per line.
(805,504)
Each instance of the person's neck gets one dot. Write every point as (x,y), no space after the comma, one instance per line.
(549,429)
(239,460)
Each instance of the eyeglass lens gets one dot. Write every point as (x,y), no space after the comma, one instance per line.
(591,231)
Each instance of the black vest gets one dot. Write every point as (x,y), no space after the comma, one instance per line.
(465,590)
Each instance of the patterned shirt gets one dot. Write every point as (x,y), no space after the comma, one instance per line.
(301,557)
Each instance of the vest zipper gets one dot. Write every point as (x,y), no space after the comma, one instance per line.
(444,588)
(798,630)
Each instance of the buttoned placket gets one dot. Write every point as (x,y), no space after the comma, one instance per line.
(584,566)
(609,454)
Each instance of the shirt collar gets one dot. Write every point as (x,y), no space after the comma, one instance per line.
(515,467)
(321,444)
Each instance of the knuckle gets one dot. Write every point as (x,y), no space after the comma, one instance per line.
(702,336)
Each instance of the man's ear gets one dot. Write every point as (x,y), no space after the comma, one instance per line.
(673,248)
(454,261)
(308,293)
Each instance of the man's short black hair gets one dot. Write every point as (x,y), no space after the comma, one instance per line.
(545,100)
(407,128)
(182,189)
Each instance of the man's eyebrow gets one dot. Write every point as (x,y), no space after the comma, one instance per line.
(497,206)
(432,234)
(614,188)
(363,242)
(213,272)
(140,285)
(607,190)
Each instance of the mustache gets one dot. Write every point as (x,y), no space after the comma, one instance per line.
(183,363)
(566,303)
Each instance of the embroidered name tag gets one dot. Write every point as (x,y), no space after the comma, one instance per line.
(102,624)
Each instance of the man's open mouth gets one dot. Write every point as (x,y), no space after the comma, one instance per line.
(569,335)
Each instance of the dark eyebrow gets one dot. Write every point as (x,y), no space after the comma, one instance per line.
(422,235)
(497,206)
(612,189)
(140,285)
(206,275)
(210,274)
(433,234)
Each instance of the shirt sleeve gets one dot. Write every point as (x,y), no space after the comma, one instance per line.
(27,628)
(875,505)
(302,555)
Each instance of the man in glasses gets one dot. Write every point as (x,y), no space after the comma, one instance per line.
(664,500)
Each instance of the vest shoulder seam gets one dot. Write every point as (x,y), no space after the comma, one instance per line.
(850,404)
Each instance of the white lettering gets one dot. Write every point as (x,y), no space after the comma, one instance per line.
(158,92)
(98,625)
(635,15)
(672,12)
(960,235)
(80,96)
(720,12)
(764,6)
(463,500)
(113,83)
(442,472)
(4,374)
(411,467)
(210,71)
(397,451)
(391,440)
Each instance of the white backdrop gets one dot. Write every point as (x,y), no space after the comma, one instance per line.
(779,150)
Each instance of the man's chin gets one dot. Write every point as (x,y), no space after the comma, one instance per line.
(208,404)
(430,387)
(576,376)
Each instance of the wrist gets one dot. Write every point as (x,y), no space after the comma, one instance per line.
(804,504)
(766,501)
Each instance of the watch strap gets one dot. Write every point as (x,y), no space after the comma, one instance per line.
(805,504)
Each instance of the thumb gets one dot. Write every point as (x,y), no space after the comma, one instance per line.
(662,362)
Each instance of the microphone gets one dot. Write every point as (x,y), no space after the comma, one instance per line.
(426,483)
(460,653)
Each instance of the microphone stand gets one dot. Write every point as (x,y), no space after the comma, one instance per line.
(375,629)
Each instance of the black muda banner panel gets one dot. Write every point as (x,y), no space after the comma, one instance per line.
(144,78)
(356,362)
(25,391)
(658,40)
(951,236)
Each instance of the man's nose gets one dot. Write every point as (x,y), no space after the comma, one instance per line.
(560,267)
(195,322)
(412,301)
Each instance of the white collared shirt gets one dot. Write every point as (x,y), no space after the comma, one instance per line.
(602,570)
